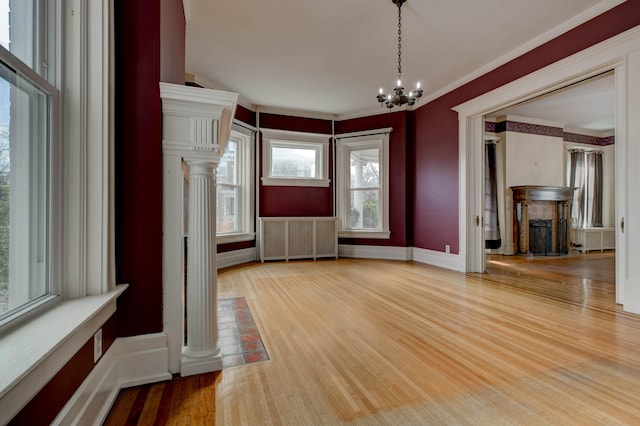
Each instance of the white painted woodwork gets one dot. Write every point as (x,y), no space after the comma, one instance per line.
(285,238)
(196,127)
(202,353)
(32,354)
(620,53)
(130,361)
(589,239)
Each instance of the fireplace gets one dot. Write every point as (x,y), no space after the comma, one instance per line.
(541,218)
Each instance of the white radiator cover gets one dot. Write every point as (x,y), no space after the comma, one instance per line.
(284,238)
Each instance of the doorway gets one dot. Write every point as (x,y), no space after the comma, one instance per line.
(620,54)
(538,142)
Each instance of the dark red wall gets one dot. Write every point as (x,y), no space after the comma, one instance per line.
(436,125)
(139,61)
(289,200)
(245,115)
(400,173)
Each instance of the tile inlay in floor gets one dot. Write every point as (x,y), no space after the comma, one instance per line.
(238,336)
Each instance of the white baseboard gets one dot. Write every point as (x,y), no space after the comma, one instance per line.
(375,252)
(130,361)
(236,257)
(436,258)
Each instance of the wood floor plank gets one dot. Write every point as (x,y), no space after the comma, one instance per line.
(368,342)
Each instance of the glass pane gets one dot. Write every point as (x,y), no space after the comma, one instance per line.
(227,168)
(365,209)
(293,162)
(17,28)
(24,197)
(365,168)
(227,209)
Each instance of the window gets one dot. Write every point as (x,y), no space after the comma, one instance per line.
(70,244)
(362,165)
(295,158)
(28,141)
(234,208)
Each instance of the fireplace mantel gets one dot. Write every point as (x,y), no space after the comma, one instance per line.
(529,198)
(542,193)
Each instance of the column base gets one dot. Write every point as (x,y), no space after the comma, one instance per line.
(192,366)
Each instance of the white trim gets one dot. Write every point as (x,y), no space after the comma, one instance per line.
(287,135)
(34,352)
(382,131)
(235,237)
(244,162)
(381,235)
(289,139)
(436,258)
(344,145)
(271,181)
(589,62)
(130,361)
(617,53)
(236,257)
(375,252)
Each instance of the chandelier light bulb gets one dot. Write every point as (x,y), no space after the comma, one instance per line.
(399,83)
(418,85)
(381,91)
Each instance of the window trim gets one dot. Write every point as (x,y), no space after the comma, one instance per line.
(36,306)
(345,143)
(302,140)
(82,227)
(245,139)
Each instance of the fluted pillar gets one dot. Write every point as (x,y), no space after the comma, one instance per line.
(201,353)
(195,129)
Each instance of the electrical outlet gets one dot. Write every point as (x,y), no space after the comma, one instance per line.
(97,346)
(447,248)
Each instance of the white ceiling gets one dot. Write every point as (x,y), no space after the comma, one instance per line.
(589,105)
(330,56)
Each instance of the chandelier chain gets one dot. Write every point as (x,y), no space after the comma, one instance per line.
(399,96)
(399,39)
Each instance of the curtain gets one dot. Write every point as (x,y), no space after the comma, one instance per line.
(593,198)
(576,180)
(586,176)
(491,222)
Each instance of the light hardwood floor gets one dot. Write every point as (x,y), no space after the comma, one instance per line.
(370,342)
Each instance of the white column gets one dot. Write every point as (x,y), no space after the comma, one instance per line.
(195,127)
(201,353)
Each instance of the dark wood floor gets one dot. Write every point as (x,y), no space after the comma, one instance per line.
(532,341)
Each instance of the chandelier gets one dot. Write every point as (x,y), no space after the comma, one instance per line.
(399,96)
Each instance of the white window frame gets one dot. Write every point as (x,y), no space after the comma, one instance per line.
(345,143)
(82,227)
(40,49)
(300,140)
(244,182)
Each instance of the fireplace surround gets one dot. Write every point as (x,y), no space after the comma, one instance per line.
(541,218)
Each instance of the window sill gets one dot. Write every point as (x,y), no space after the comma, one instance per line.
(374,235)
(235,238)
(32,353)
(270,181)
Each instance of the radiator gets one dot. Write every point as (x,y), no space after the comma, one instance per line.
(298,238)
